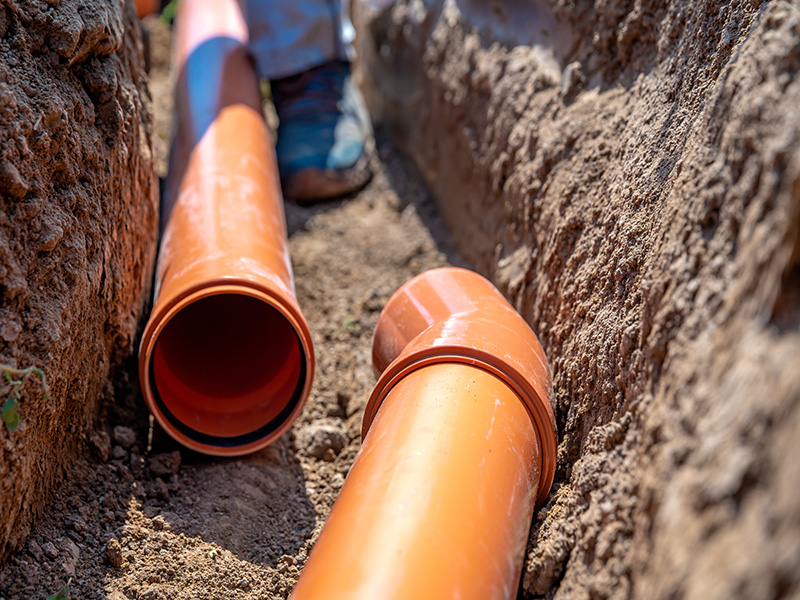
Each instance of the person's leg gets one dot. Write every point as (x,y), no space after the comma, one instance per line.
(304,48)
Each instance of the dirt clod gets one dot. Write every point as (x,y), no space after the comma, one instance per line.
(572,81)
(124,436)
(71,555)
(165,464)
(157,489)
(323,439)
(101,445)
(35,550)
(50,550)
(113,554)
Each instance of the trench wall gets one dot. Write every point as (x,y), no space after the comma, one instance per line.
(628,173)
(78,209)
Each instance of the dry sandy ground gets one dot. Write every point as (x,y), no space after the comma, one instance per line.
(141,518)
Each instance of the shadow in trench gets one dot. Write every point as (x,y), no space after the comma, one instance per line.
(254,506)
(406,181)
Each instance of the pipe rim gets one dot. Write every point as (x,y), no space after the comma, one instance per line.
(538,408)
(270,431)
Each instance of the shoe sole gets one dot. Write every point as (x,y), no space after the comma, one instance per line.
(312,185)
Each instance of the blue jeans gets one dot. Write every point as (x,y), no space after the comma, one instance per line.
(288,37)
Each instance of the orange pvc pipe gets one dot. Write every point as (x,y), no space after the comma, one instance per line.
(459,443)
(146,7)
(226,359)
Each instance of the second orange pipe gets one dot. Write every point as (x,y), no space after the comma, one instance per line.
(459,444)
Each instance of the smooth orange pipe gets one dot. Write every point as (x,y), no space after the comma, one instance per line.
(226,359)
(459,442)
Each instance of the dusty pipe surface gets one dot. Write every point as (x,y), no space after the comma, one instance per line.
(459,442)
(226,359)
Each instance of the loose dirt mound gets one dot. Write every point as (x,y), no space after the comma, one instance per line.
(629,174)
(77,231)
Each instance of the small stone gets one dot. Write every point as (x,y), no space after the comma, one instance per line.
(342,399)
(76,523)
(11,182)
(35,550)
(335,411)
(573,81)
(321,436)
(114,553)
(339,409)
(168,463)
(101,445)
(124,436)
(160,523)
(72,555)
(119,452)
(244,585)
(157,489)
(287,560)
(50,550)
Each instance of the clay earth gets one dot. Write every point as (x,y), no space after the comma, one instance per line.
(627,172)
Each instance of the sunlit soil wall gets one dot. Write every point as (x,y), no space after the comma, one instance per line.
(629,174)
(78,208)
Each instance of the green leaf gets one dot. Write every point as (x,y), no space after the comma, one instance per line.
(168,14)
(10,415)
(63,593)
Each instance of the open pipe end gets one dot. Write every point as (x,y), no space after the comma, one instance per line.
(226,374)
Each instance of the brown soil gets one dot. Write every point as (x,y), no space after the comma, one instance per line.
(158,523)
(629,174)
(77,232)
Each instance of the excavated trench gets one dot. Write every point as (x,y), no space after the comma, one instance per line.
(628,173)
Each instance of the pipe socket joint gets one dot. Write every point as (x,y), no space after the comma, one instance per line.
(453,315)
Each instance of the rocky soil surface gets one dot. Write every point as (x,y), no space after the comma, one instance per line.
(629,174)
(78,203)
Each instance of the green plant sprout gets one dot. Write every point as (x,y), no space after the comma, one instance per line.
(63,593)
(16,378)
(168,14)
